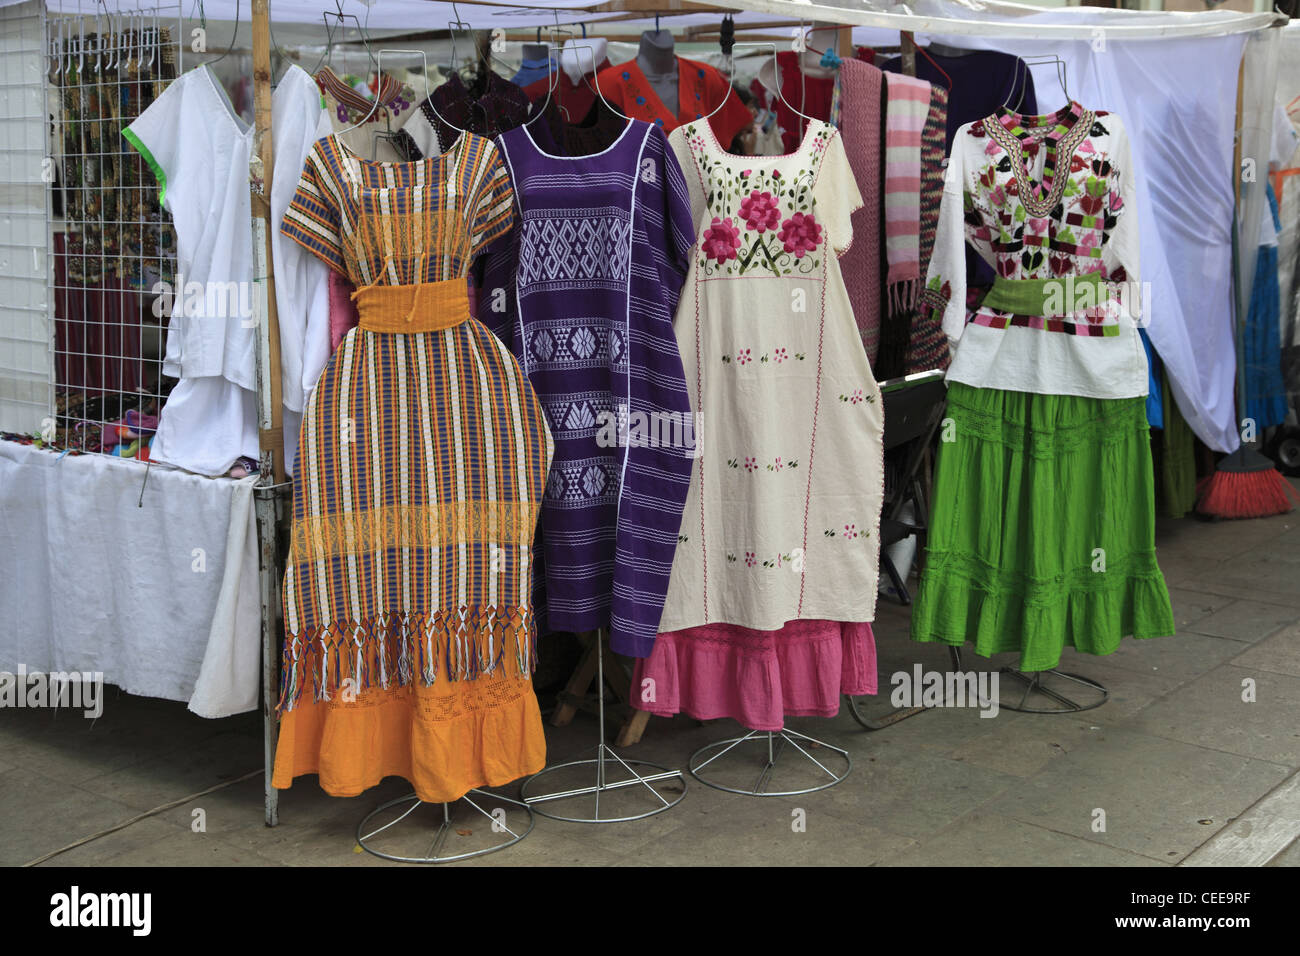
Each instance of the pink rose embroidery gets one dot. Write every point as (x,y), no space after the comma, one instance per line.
(800,234)
(760,212)
(721,240)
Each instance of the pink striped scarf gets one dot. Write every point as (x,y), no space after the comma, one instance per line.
(907,103)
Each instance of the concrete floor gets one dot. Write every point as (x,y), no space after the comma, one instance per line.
(1179,765)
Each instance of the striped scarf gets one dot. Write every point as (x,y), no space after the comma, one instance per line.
(908,102)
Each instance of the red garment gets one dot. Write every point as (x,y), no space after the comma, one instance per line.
(811,94)
(700,89)
(576,99)
(96,330)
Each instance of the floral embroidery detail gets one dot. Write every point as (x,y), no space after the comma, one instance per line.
(780,356)
(772,210)
(731,557)
(800,234)
(743,357)
(857,397)
(749,559)
(732,463)
(721,240)
(750,464)
(760,211)
(850,531)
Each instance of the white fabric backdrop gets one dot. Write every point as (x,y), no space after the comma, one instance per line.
(92,582)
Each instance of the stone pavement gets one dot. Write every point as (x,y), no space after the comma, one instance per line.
(1175,768)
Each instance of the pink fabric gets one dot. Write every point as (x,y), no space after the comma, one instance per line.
(860,122)
(907,107)
(757,677)
(343,312)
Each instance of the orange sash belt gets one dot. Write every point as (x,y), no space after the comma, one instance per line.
(424,307)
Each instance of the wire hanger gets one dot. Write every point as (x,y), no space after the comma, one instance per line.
(233,36)
(338,16)
(452,27)
(771,44)
(1035,60)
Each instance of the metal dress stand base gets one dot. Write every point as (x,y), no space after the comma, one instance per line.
(604,754)
(898,713)
(435,846)
(776,742)
(1033,684)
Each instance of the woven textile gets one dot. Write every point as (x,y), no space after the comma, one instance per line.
(422,461)
(857,112)
(907,105)
(588,295)
(927,346)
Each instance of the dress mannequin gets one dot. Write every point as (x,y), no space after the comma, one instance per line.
(657,62)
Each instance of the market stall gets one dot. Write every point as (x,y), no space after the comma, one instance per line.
(322,379)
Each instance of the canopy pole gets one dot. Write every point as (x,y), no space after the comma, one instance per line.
(271,488)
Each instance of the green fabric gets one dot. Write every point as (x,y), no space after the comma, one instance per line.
(1026,488)
(152,163)
(1034,296)
(1177,457)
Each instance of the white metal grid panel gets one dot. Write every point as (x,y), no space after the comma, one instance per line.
(26,366)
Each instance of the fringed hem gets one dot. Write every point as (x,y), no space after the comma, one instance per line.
(902,295)
(397,649)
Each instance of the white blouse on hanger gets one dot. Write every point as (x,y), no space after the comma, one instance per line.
(198,148)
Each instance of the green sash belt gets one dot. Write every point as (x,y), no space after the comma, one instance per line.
(1047,297)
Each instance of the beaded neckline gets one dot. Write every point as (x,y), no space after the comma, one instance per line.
(1069,127)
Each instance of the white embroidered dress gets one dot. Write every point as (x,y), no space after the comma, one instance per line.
(781,521)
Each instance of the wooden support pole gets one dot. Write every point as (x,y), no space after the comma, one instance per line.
(270,406)
(908,45)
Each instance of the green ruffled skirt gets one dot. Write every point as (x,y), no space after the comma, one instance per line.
(1043,530)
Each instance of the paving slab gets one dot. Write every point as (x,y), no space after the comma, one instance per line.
(1154,793)
(1211,712)
(1246,620)
(981,837)
(1279,653)
(42,814)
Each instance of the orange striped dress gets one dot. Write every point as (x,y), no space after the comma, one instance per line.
(423,457)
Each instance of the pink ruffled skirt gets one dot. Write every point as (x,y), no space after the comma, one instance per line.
(756,677)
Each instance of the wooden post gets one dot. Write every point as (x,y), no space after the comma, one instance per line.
(844,47)
(270,407)
(908,46)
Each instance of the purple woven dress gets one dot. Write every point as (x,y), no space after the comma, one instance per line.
(585,300)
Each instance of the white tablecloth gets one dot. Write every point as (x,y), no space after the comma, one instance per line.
(161,599)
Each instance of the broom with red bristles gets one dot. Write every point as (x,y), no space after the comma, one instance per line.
(1245,484)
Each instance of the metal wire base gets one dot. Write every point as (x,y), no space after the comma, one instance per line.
(898,713)
(776,741)
(435,846)
(603,785)
(1033,684)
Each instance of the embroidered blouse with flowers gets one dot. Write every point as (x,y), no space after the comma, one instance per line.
(774,579)
(700,90)
(356,112)
(1048,201)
